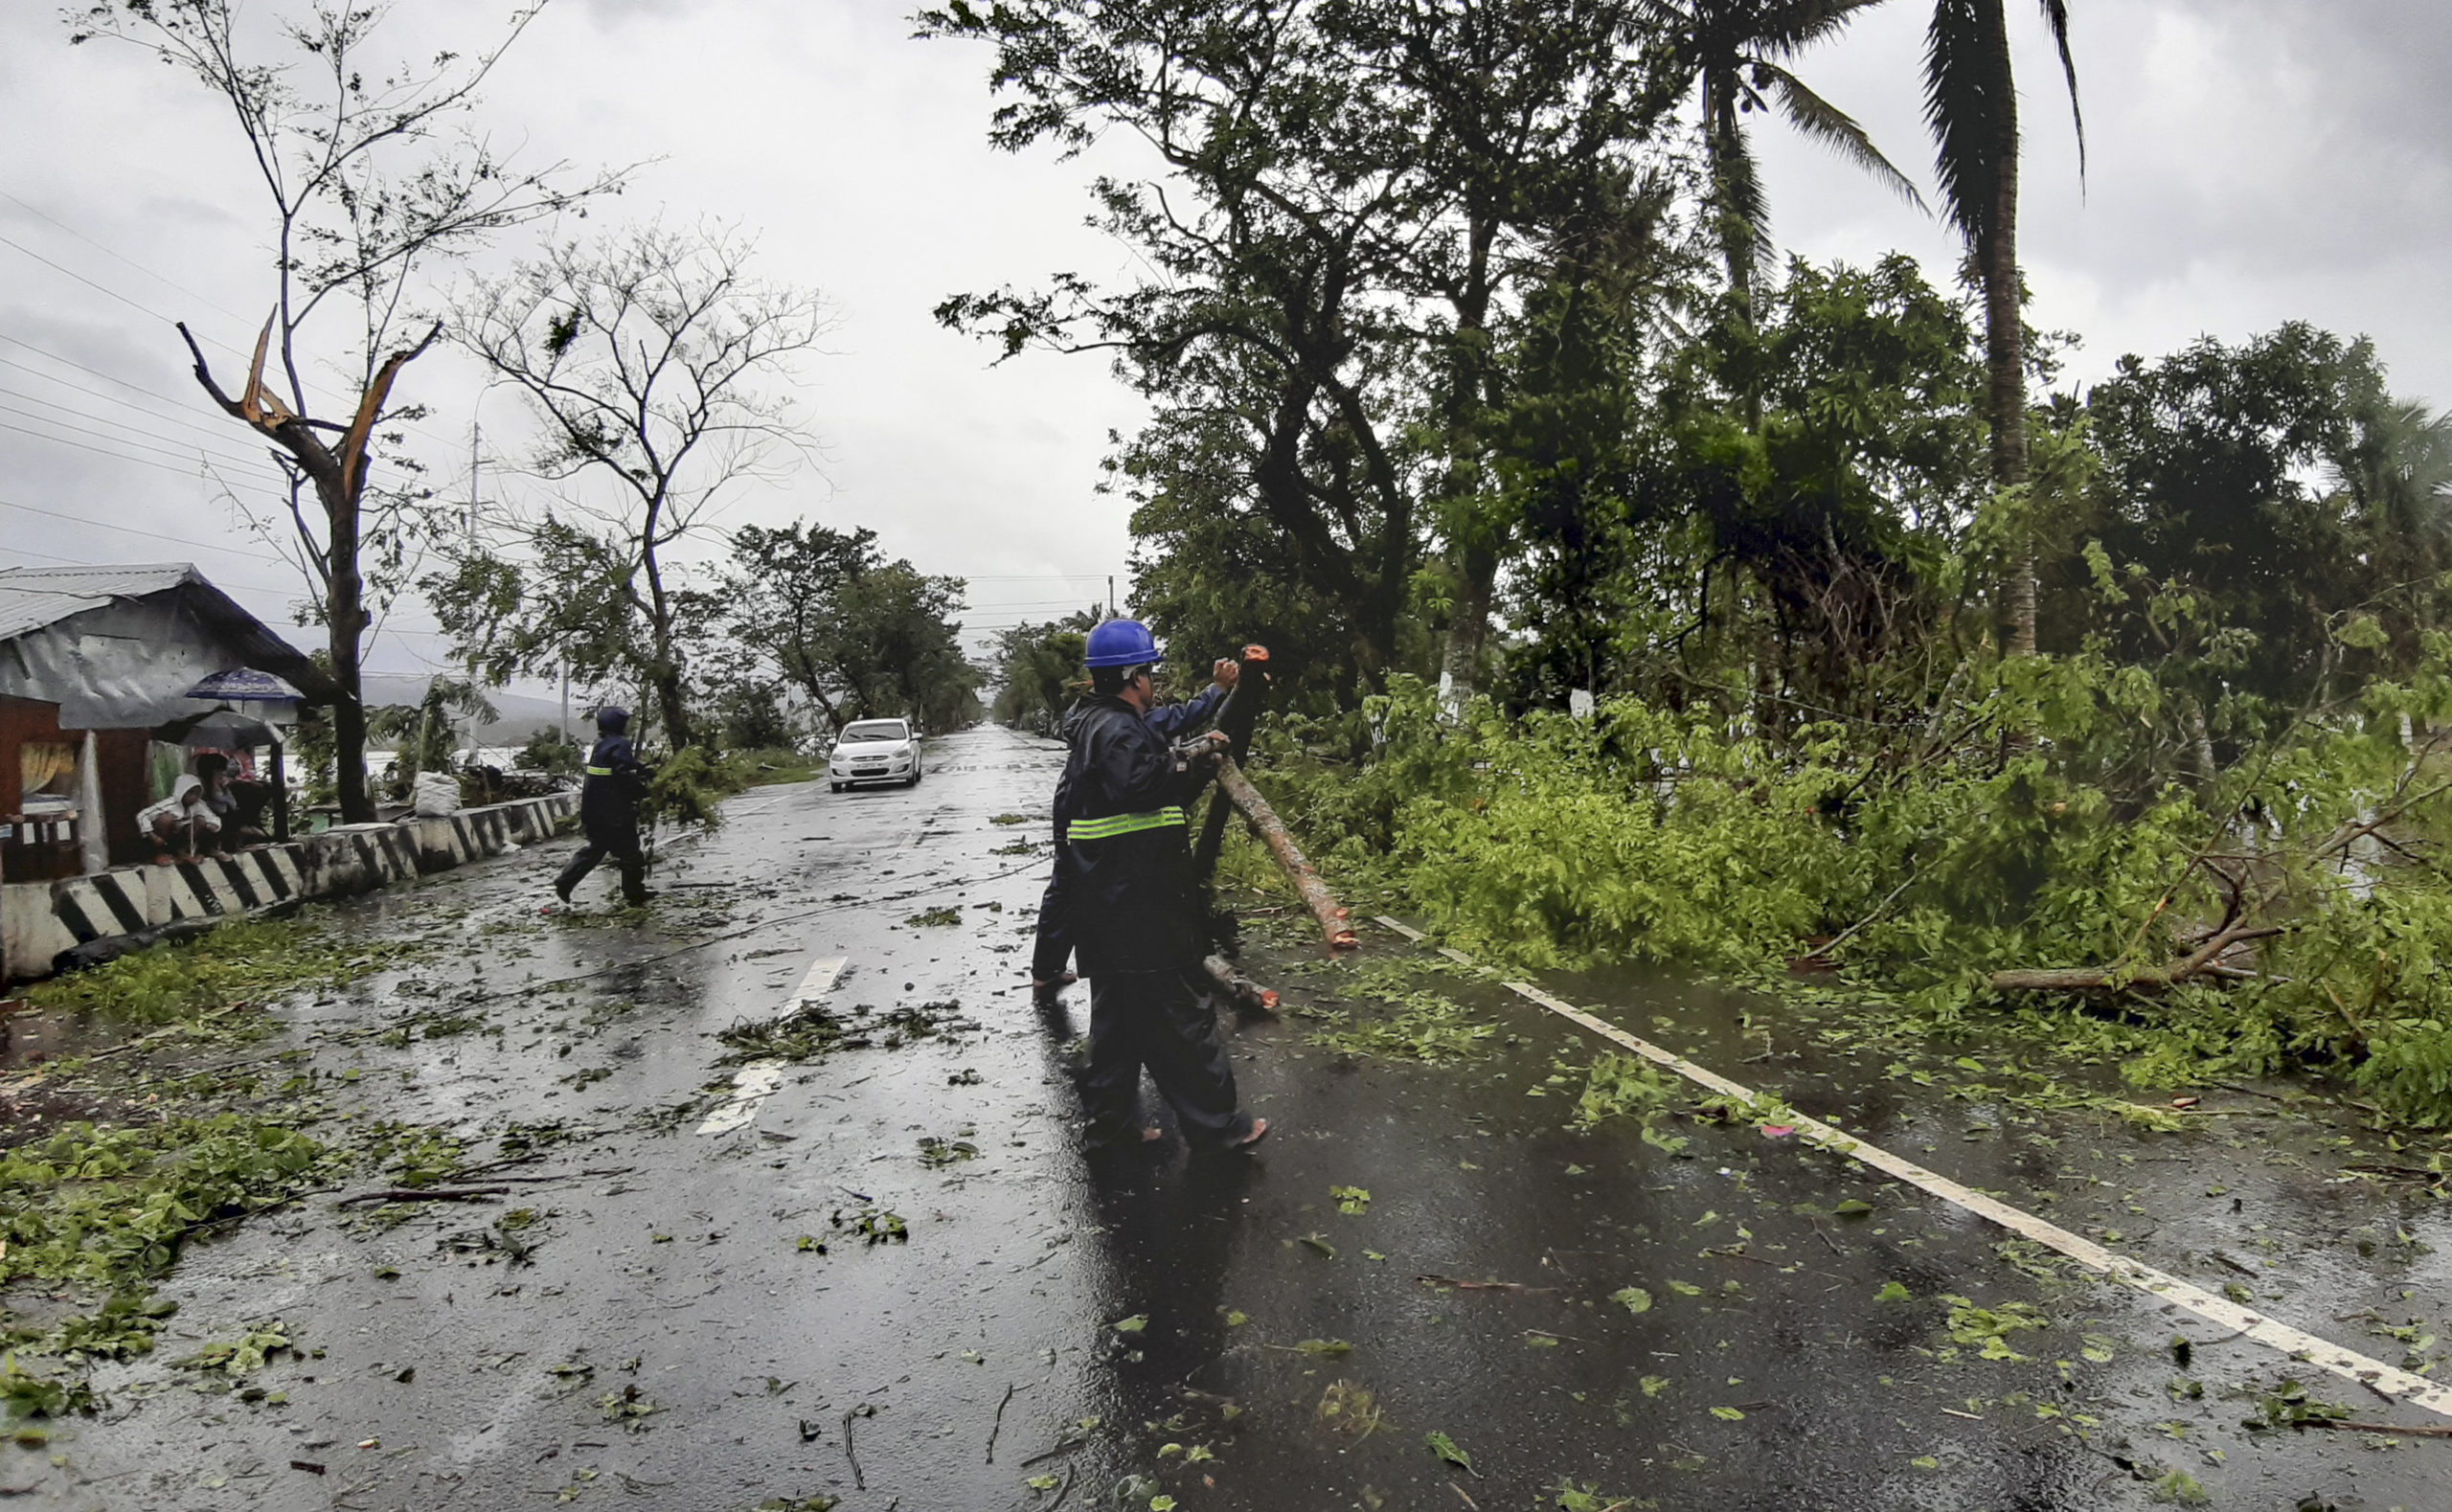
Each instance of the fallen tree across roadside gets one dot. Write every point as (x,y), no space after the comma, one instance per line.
(2286,914)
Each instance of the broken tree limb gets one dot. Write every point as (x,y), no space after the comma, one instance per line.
(1239,987)
(425,1194)
(2203,962)
(1289,857)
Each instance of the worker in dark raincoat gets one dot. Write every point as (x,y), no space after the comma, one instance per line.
(608,810)
(1054,951)
(1133,912)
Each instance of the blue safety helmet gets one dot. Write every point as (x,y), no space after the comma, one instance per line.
(611,721)
(1121,643)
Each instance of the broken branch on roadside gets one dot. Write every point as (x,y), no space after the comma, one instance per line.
(425,1194)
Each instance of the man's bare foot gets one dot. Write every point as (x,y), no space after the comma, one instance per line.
(1259,1129)
(1152,1134)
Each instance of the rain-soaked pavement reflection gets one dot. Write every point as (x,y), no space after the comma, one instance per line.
(1420,1255)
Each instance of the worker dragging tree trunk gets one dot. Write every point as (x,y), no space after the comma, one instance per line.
(1130,908)
(608,811)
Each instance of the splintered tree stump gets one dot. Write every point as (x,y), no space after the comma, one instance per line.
(1289,855)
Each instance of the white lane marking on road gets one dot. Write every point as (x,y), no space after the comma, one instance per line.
(819,982)
(2222,1311)
(759,1080)
(751,1086)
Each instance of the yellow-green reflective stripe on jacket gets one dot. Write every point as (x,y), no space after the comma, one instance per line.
(1114,824)
(600,771)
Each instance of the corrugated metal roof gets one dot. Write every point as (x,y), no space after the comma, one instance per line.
(34,596)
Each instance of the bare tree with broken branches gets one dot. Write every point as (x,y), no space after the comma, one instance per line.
(373,172)
(647,359)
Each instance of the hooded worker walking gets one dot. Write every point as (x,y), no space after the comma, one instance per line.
(608,810)
(1132,911)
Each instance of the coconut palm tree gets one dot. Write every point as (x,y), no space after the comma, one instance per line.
(1738,53)
(1971,105)
(2398,476)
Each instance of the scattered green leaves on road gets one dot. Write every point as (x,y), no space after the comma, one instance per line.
(1445,1448)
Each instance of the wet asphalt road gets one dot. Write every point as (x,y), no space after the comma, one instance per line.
(666,1333)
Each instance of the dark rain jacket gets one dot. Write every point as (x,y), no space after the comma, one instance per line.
(1129,902)
(608,803)
(1172,721)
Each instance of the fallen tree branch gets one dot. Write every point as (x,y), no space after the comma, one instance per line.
(2429,1431)
(2203,960)
(425,1194)
(1239,987)
(1289,855)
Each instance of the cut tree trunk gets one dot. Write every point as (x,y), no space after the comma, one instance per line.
(1239,987)
(1288,856)
(1241,712)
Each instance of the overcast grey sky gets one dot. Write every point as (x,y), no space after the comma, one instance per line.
(2250,161)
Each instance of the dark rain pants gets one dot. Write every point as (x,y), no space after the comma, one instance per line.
(624,848)
(1166,1021)
(1054,948)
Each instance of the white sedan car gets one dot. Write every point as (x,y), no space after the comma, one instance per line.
(874,751)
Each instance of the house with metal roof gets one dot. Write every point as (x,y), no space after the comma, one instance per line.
(94,661)
(112,681)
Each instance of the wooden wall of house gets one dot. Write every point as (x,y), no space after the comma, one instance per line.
(125,757)
(23,720)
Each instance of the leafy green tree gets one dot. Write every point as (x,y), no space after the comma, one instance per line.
(825,612)
(1686,551)
(1971,105)
(2244,487)
(558,602)
(897,649)
(1358,198)
(784,593)
(1039,670)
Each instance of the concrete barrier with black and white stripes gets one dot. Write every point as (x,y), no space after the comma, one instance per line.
(38,920)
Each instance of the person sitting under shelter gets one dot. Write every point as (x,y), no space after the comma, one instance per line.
(237,802)
(181,826)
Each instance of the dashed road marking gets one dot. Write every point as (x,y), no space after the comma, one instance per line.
(2297,1344)
(759,1080)
(751,1086)
(817,983)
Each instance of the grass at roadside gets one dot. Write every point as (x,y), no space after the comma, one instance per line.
(245,965)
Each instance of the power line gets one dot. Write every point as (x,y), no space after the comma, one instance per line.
(117,434)
(71,362)
(145,309)
(140,267)
(131,529)
(54,380)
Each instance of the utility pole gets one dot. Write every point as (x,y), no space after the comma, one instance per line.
(1110,596)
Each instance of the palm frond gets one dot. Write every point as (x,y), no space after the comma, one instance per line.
(1785,29)
(2055,16)
(1970,105)
(1818,118)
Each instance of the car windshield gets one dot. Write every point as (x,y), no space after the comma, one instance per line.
(874,730)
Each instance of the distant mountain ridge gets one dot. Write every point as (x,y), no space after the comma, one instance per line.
(516,714)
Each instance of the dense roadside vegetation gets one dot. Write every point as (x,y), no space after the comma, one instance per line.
(1635,597)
